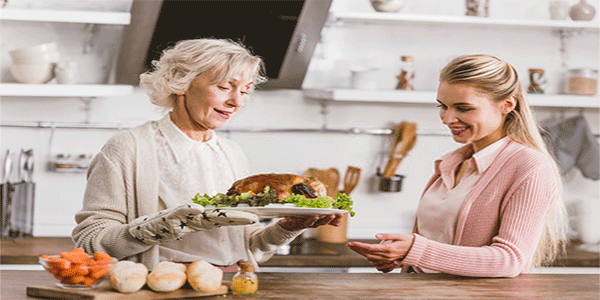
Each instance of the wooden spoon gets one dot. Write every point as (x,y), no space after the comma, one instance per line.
(351,179)
(408,137)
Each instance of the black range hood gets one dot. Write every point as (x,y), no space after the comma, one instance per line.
(283,32)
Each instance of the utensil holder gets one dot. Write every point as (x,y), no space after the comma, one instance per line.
(390,184)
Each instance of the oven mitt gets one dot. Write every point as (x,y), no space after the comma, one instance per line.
(174,223)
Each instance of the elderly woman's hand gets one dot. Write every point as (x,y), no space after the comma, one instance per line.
(385,256)
(294,223)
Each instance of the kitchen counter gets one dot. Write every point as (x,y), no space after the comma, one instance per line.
(375,286)
(310,253)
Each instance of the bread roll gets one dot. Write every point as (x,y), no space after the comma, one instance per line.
(204,277)
(167,276)
(128,277)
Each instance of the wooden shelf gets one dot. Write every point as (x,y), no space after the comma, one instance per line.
(398,18)
(428,97)
(64,90)
(91,17)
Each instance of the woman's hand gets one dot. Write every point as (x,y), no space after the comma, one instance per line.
(301,222)
(385,256)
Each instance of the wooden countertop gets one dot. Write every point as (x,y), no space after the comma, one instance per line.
(311,253)
(375,286)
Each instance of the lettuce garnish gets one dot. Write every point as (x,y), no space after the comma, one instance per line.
(268,196)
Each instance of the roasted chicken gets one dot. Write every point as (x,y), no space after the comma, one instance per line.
(284,185)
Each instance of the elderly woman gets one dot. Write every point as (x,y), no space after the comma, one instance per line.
(493,207)
(137,204)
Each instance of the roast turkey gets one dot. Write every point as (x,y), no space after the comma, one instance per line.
(284,185)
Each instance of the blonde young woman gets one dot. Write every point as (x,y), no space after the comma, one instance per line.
(138,200)
(493,207)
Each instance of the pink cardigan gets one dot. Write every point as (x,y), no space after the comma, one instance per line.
(500,222)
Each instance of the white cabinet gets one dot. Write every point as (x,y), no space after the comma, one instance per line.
(465,24)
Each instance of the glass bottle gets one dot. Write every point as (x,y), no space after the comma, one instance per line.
(407,73)
(245,281)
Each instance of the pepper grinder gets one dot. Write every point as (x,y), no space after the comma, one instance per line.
(407,73)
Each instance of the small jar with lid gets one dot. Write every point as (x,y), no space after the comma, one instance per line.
(582,81)
(537,81)
(407,74)
(245,281)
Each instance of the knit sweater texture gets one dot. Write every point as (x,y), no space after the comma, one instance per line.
(500,222)
(123,184)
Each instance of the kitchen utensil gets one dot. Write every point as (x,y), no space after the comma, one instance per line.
(390,184)
(7,166)
(5,192)
(351,179)
(331,178)
(20,198)
(30,194)
(104,291)
(404,140)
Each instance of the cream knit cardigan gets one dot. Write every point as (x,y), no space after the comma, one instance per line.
(123,185)
(500,222)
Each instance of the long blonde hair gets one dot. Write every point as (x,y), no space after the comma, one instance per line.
(178,66)
(498,79)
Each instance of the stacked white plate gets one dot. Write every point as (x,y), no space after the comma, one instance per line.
(34,64)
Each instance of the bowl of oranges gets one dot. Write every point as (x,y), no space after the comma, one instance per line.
(78,270)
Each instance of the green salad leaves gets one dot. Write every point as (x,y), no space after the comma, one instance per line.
(269,196)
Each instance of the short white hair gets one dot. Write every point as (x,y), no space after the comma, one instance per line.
(180,65)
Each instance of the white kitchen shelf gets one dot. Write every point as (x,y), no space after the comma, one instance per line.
(64,90)
(65,16)
(398,18)
(429,97)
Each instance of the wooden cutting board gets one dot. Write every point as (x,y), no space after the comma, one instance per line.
(105,292)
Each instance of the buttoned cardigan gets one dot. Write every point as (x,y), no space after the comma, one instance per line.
(500,222)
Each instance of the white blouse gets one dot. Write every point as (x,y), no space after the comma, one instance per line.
(188,167)
(437,212)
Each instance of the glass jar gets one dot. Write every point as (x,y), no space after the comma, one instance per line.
(582,81)
(477,8)
(537,81)
(407,73)
(245,281)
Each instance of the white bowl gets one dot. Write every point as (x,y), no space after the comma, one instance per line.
(33,72)
(388,5)
(34,51)
(51,57)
